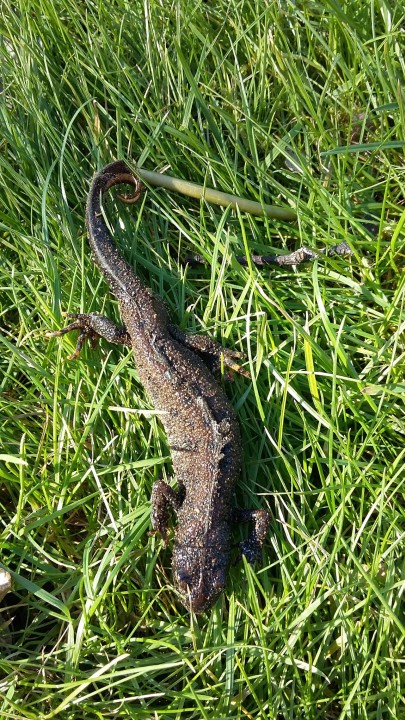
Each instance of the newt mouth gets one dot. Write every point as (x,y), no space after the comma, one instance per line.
(198,600)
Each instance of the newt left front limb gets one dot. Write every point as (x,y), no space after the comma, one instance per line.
(251,548)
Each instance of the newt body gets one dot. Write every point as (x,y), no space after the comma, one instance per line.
(177,373)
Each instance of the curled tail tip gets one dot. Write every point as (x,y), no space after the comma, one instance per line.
(115,173)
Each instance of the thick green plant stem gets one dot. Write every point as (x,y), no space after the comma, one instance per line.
(215,197)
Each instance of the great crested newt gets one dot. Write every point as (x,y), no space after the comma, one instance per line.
(178,373)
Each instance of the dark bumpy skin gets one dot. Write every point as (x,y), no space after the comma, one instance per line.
(177,373)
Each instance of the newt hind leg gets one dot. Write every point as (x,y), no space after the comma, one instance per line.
(211,352)
(92,327)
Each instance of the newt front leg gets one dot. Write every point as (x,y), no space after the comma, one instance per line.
(163,498)
(251,548)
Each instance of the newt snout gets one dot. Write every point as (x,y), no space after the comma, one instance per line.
(200,575)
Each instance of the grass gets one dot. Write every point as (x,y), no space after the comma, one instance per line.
(297,104)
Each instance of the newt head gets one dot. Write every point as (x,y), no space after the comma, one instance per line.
(200,573)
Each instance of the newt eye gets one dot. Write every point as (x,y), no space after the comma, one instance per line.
(184,577)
